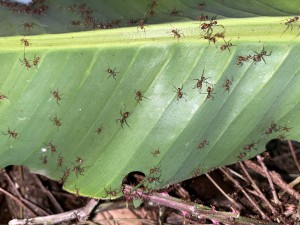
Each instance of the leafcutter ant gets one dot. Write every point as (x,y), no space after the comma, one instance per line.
(112,73)
(153,179)
(227,85)
(79,160)
(260,56)
(122,120)
(209,93)
(202,17)
(56,95)
(51,147)
(272,128)
(201,81)
(25,62)
(2,97)
(10,133)
(75,23)
(27,26)
(241,155)
(227,45)
(202,144)
(179,93)
(210,38)
(201,6)
(36,60)
(282,137)
(65,176)
(56,121)
(139,96)
(285,128)
(155,170)
(99,129)
(112,193)
(175,12)
(155,153)
(44,159)
(220,35)
(289,23)
(141,25)
(241,59)
(208,26)
(77,169)
(176,33)
(25,42)
(249,147)
(60,160)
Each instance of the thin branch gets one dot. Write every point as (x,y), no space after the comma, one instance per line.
(291,184)
(275,177)
(253,202)
(221,190)
(49,194)
(266,172)
(81,214)
(17,200)
(294,154)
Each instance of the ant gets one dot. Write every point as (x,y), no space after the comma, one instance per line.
(65,175)
(155,153)
(220,35)
(175,12)
(241,59)
(112,73)
(154,179)
(201,5)
(179,92)
(110,192)
(227,85)
(56,95)
(27,26)
(208,26)
(155,170)
(36,60)
(272,128)
(51,147)
(241,155)
(227,45)
(282,137)
(210,39)
(75,23)
(25,42)
(99,129)
(124,115)
(76,189)
(141,25)
(79,160)
(202,17)
(78,170)
(134,21)
(44,159)
(25,62)
(2,96)
(209,93)
(202,144)
(289,23)
(259,56)
(249,147)
(12,134)
(60,160)
(139,96)
(177,34)
(285,128)
(201,81)
(56,121)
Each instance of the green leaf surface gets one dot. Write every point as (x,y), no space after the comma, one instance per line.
(96,145)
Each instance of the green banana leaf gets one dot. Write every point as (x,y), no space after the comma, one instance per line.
(87,106)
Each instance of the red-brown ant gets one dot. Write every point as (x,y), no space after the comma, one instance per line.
(285,128)
(201,81)
(110,192)
(75,23)
(60,160)
(56,95)
(56,121)
(139,96)
(99,129)
(208,26)
(2,97)
(249,147)
(76,189)
(141,25)
(282,137)
(209,93)
(201,6)
(112,73)
(65,175)
(227,85)
(179,92)
(241,59)
(36,60)
(241,155)
(51,147)
(25,42)
(124,115)
(155,153)
(202,17)
(77,169)
(290,22)
(28,26)
(202,144)
(12,134)
(272,128)
(260,56)
(153,179)
(227,45)
(176,33)
(220,35)
(79,160)
(210,38)
(175,12)
(155,170)
(25,62)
